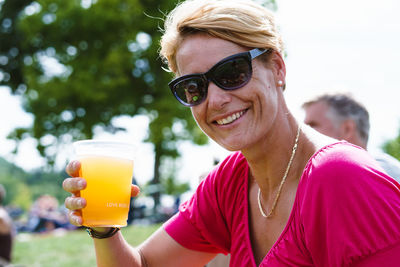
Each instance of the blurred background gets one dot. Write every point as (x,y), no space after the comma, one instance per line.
(79,69)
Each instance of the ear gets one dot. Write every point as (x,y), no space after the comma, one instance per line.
(278,68)
(348,129)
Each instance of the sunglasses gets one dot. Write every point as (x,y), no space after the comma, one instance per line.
(230,73)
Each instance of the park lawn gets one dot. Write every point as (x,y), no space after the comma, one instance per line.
(72,249)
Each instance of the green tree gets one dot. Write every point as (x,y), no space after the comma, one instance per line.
(392,147)
(23,198)
(104,63)
(11,177)
(80,63)
(24,188)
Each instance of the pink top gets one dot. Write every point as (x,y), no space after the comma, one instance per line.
(346,213)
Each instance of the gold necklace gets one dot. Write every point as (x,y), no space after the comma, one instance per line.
(282,181)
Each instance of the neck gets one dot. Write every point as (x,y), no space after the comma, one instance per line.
(358,142)
(269,160)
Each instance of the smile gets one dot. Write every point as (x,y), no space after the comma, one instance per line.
(230,118)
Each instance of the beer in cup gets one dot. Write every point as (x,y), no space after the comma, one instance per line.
(107,167)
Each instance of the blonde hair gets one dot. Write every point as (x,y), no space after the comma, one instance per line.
(239,21)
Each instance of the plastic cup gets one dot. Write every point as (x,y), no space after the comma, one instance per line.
(107,167)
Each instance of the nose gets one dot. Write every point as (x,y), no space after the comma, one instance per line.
(217,97)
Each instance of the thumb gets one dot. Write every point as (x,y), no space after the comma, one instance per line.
(135,190)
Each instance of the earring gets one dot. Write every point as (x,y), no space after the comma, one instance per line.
(281,85)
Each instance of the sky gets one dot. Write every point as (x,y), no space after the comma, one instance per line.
(345,45)
(342,45)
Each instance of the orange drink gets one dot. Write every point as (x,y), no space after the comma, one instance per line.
(109,176)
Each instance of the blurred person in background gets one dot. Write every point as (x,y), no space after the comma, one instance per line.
(45,216)
(341,116)
(6,231)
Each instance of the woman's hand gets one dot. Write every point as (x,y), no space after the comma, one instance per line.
(74,185)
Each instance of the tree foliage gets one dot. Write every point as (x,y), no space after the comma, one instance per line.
(392,147)
(23,188)
(84,64)
(79,64)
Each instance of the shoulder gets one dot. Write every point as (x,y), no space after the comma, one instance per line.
(339,162)
(342,180)
(234,165)
(202,222)
(226,182)
(341,172)
(340,153)
(348,203)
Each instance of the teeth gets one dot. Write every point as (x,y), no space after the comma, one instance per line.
(230,119)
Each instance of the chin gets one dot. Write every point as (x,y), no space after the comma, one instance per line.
(231,146)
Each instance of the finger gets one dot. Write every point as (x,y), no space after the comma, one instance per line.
(75,203)
(73,168)
(135,190)
(74,185)
(75,218)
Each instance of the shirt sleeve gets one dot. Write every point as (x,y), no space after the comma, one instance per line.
(199,225)
(204,221)
(351,210)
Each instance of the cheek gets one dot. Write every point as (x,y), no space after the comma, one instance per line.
(268,96)
(263,79)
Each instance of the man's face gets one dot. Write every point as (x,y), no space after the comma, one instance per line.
(318,116)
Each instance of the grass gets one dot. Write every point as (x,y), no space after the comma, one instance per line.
(72,249)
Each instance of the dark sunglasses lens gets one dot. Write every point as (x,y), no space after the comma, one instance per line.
(191,91)
(233,73)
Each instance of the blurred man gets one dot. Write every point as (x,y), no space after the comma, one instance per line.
(342,117)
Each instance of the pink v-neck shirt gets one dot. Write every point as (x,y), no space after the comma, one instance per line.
(346,213)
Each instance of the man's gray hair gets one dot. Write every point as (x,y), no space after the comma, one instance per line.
(343,106)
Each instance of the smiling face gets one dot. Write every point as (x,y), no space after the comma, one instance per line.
(235,119)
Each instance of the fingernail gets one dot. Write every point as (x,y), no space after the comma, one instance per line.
(75,164)
(81,183)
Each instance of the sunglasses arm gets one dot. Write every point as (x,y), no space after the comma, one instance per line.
(256,52)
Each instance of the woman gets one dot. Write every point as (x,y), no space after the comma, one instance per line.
(288,196)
